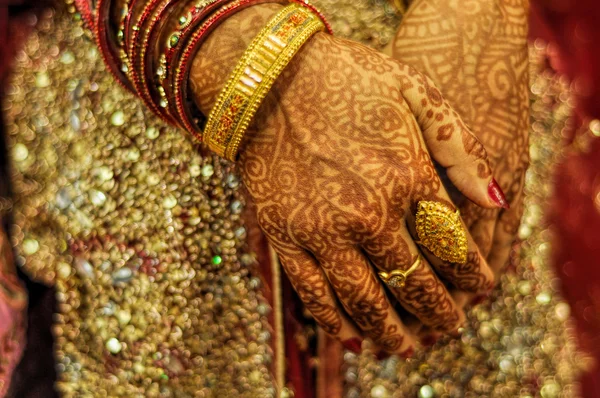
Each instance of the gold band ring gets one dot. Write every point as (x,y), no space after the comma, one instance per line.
(441,231)
(397,277)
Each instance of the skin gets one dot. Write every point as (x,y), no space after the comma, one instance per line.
(476,53)
(336,161)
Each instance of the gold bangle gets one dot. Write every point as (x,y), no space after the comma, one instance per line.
(255,73)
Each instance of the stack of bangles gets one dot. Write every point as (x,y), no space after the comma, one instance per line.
(149,46)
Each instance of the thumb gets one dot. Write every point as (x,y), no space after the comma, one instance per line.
(450,141)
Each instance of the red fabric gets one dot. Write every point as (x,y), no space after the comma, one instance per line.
(573,30)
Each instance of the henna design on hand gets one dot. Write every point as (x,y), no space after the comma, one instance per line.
(476,53)
(335,161)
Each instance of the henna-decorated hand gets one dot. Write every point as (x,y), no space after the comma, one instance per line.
(336,162)
(476,53)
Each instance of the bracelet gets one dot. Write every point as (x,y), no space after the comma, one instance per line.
(173,42)
(183,105)
(153,62)
(138,49)
(108,49)
(251,80)
(126,13)
(182,110)
(318,12)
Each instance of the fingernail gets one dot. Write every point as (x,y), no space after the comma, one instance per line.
(381,355)
(408,353)
(354,345)
(497,195)
(428,341)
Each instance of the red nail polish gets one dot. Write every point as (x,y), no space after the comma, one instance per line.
(408,353)
(354,345)
(497,195)
(381,355)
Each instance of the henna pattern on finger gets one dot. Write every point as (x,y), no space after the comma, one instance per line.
(467,276)
(314,292)
(362,296)
(476,53)
(423,294)
(429,299)
(448,122)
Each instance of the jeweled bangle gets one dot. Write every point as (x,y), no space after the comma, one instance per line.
(172,43)
(125,16)
(135,8)
(108,48)
(138,48)
(181,63)
(251,80)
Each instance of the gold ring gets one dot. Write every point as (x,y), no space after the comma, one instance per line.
(397,277)
(441,231)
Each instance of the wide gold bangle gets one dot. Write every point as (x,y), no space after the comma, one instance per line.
(257,70)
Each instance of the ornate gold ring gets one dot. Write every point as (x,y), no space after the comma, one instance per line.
(397,277)
(441,231)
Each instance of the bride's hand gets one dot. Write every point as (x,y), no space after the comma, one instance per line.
(476,53)
(336,162)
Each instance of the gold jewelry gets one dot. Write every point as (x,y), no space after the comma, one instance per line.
(397,277)
(254,75)
(441,231)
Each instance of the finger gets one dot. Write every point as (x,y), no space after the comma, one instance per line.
(450,142)
(481,224)
(423,294)
(475,275)
(363,297)
(312,286)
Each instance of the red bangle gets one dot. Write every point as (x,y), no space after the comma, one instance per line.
(174,43)
(139,38)
(128,24)
(109,52)
(195,15)
(85,9)
(137,45)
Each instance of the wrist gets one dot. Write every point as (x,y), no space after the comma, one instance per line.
(218,56)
